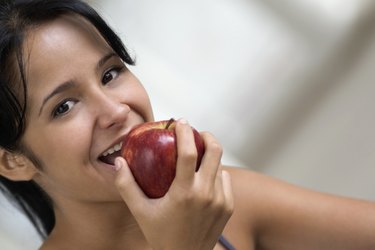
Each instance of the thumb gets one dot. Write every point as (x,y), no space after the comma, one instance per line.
(128,188)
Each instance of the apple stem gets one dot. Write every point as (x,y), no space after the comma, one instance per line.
(169,123)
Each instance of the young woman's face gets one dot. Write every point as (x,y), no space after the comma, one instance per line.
(82,100)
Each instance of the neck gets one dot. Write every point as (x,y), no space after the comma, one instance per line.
(107,225)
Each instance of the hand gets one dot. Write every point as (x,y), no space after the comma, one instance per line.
(195,210)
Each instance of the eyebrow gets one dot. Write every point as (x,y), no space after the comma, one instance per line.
(105,59)
(70,84)
(61,88)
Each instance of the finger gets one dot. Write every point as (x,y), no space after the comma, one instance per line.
(212,157)
(186,151)
(228,191)
(219,190)
(128,188)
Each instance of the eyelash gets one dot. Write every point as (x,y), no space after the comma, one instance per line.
(117,69)
(55,112)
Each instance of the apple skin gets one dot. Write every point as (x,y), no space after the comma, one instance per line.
(150,150)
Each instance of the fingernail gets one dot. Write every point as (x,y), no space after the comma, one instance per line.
(183,121)
(118,164)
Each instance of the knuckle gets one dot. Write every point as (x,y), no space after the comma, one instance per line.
(197,197)
(216,148)
(207,203)
(221,208)
(229,208)
(189,155)
(216,206)
(220,205)
(206,198)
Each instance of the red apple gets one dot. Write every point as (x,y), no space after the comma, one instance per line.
(150,150)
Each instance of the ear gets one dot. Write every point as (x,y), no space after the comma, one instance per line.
(16,167)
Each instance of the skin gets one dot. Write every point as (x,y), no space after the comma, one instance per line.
(99,206)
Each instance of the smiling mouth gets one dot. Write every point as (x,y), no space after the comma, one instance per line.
(110,155)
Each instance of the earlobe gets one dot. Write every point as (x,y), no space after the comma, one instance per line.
(16,167)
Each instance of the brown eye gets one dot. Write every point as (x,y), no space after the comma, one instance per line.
(111,74)
(63,108)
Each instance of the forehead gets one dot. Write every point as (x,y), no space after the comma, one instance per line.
(54,51)
(61,42)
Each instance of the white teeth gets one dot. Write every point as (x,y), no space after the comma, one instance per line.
(118,146)
(115,148)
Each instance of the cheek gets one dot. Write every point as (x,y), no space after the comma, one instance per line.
(137,98)
(66,148)
(58,145)
(64,152)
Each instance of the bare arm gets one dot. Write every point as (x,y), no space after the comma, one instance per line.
(283,216)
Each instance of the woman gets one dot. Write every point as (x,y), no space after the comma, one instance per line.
(67,98)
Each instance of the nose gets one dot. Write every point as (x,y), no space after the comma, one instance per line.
(111,112)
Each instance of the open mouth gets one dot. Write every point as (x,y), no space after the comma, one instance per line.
(110,155)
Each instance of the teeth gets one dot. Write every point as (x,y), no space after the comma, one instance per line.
(115,148)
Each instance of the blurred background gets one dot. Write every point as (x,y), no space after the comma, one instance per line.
(287,86)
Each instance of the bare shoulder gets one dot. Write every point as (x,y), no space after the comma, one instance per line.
(266,206)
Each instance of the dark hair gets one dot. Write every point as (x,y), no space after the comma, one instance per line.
(16,18)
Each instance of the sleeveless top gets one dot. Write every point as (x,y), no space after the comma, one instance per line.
(225,243)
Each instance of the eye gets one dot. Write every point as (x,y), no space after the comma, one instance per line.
(112,74)
(63,108)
